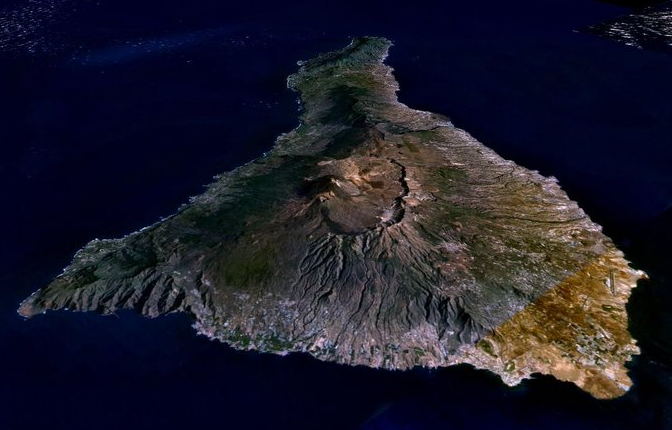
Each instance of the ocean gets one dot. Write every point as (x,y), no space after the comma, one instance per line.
(113,113)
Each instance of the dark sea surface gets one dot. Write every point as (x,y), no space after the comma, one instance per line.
(114,112)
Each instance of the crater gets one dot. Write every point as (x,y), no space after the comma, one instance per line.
(357,194)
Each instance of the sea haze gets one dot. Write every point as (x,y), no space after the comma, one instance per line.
(113,113)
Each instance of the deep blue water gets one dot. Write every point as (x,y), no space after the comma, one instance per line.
(112,113)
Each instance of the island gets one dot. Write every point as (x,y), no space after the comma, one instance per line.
(375,234)
(644,28)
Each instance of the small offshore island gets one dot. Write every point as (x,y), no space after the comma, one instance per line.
(378,235)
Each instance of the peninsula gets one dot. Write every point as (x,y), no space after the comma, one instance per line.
(375,234)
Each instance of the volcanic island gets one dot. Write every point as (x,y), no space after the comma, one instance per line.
(375,234)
